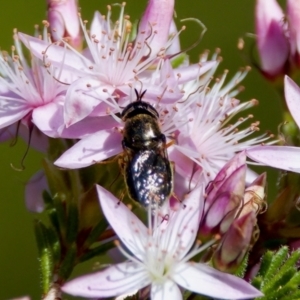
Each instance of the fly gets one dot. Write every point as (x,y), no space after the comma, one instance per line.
(147,169)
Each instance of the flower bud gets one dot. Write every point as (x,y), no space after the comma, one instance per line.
(254,196)
(156,22)
(272,43)
(293,16)
(64,21)
(223,199)
(220,215)
(226,172)
(235,243)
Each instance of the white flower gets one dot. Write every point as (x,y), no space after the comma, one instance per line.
(159,257)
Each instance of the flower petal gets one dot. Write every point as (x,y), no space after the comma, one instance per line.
(11,113)
(49,118)
(194,71)
(281,157)
(8,132)
(98,25)
(157,17)
(127,226)
(82,98)
(113,281)
(272,44)
(292,98)
(226,172)
(293,17)
(92,149)
(167,290)
(185,222)
(56,54)
(33,192)
(63,17)
(205,280)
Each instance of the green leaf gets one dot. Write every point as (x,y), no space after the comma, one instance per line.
(96,232)
(51,210)
(292,296)
(278,277)
(68,263)
(44,254)
(59,201)
(277,261)
(72,223)
(55,245)
(240,272)
(102,249)
(265,263)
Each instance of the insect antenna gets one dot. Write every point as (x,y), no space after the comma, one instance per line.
(138,95)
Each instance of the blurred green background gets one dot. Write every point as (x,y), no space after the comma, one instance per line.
(226,20)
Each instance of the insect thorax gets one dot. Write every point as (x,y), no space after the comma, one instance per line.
(141,131)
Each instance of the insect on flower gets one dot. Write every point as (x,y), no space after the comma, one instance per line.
(147,169)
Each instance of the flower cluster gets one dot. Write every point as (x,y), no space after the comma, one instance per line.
(184,151)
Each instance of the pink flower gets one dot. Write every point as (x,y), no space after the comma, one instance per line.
(235,243)
(30,92)
(273,46)
(34,94)
(209,139)
(114,62)
(159,257)
(224,197)
(107,142)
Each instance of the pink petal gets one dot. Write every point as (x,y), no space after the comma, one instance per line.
(183,171)
(12,113)
(92,149)
(98,25)
(185,222)
(205,280)
(175,46)
(116,280)
(194,71)
(281,157)
(271,41)
(163,88)
(250,176)
(56,54)
(63,17)
(82,97)
(230,167)
(8,132)
(38,141)
(292,98)
(127,226)
(167,290)
(49,119)
(33,192)
(88,126)
(156,20)
(293,17)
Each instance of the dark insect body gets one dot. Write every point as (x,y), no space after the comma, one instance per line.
(148,172)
